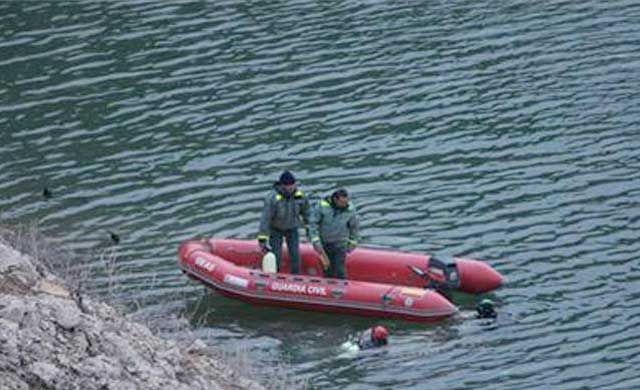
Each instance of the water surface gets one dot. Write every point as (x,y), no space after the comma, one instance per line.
(503,131)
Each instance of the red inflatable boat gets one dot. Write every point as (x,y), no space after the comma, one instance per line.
(382,283)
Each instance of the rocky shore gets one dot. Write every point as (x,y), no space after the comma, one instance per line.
(53,337)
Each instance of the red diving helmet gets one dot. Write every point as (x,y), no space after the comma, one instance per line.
(379,335)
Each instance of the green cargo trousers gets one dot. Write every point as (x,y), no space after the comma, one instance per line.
(293,244)
(337,254)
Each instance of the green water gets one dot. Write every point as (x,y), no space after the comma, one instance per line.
(504,131)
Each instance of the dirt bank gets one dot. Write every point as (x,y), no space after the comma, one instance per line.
(53,337)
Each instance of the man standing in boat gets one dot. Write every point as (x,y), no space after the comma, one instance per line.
(334,231)
(285,208)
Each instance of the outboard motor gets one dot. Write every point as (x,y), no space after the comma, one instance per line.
(441,276)
(443,273)
(466,275)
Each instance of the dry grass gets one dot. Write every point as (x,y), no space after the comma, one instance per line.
(50,256)
(276,377)
(80,273)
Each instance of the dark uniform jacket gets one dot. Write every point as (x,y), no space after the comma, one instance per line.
(334,225)
(283,212)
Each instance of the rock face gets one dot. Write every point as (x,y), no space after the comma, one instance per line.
(51,338)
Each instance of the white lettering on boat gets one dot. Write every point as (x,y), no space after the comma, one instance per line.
(297,288)
(236,281)
(204,263)
(413,291)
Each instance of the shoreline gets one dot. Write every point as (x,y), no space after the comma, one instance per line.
(53,336)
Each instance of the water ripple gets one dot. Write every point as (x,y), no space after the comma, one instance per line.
(505,132)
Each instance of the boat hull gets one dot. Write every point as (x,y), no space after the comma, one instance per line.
(231,267)
(375,265)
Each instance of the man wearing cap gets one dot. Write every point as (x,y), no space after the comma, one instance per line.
(334,231)
(285,208)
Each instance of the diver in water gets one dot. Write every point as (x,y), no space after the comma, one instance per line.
(487,314)
(374,337)
(486,309)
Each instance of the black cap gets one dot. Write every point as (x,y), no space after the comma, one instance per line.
(340,193)
(287,178)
